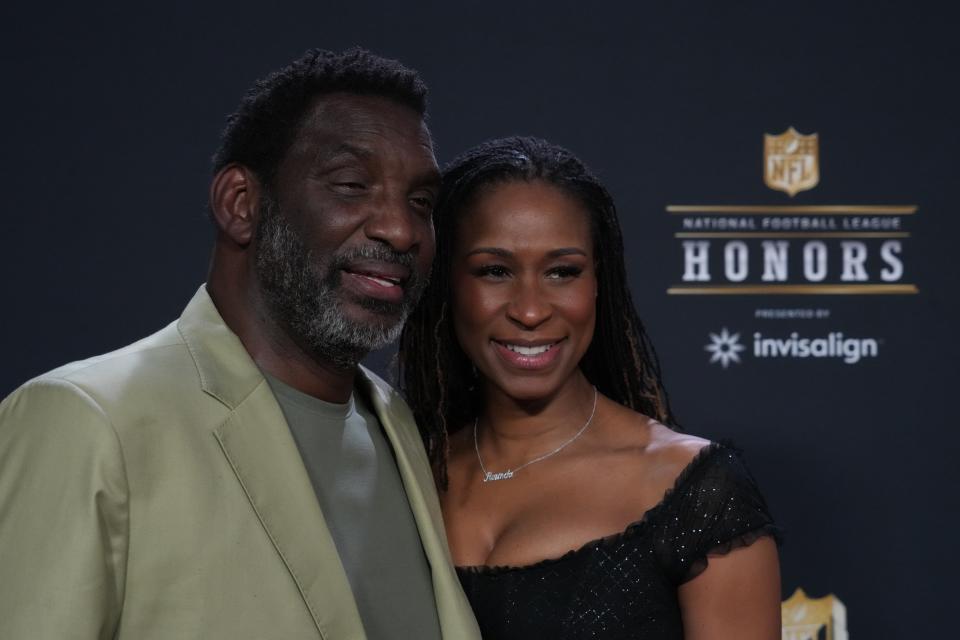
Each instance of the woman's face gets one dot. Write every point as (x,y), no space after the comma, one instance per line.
(524,287)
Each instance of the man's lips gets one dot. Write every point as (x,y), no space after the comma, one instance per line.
(386,273)
(528,354)
(379,280)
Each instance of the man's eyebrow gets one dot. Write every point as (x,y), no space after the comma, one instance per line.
(344,149)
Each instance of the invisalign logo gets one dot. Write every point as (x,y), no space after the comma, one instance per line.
(725,347)
(834,345)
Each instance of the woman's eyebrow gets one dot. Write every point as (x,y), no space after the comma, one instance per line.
(567,251)
(503,253)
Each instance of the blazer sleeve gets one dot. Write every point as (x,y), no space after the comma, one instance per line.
(64,513)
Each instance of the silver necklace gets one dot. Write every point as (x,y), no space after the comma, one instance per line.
(489,476)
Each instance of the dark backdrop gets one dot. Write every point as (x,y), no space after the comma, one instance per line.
(110,116)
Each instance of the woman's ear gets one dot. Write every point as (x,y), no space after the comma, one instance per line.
(234,202)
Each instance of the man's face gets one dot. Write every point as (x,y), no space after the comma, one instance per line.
(344,243)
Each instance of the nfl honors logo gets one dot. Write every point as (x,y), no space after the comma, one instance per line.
(791,161)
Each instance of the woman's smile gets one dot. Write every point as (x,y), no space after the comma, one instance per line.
(526,355)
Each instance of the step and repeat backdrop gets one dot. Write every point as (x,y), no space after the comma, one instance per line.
(786,178)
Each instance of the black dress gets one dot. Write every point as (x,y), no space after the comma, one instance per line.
(625,585)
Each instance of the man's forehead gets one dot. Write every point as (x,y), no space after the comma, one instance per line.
(344,115)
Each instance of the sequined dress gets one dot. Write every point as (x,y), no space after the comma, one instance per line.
(625,585)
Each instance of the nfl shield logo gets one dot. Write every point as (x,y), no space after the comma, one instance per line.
(791,161)
(806,618)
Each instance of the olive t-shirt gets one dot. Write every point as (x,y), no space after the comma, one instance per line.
(354,474)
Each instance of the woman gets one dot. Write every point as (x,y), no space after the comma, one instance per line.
(572,511)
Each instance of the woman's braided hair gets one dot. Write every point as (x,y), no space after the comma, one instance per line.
(439,381)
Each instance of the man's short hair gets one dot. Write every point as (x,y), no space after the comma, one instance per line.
(264,126)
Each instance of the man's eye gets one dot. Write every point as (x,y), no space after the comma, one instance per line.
(350,186)
(424,203)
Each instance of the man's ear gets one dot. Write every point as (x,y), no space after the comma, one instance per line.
(234,201)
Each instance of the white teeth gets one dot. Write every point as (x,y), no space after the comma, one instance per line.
(381,281)
(529,351)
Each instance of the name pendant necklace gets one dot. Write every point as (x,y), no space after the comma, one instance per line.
(489,476)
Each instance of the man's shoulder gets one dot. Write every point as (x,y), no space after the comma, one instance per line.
(165,354)
(148,366)
(145,356)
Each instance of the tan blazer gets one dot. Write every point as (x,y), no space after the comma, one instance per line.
(156,493)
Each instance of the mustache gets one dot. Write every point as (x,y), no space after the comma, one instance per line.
(378,252)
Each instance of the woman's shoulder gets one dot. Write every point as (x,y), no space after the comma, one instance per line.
(670,455)
(707,486)
(656,451)
(688,463)
(673,449)
(664,465)
(642,458)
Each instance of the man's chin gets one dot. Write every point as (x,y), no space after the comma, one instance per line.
(357,337)
(373,312)
(379,309)
(344,328)
(382,325)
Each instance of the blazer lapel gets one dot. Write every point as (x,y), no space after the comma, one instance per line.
(456,618)
(257,443)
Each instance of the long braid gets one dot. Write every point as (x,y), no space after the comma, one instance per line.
(441,446)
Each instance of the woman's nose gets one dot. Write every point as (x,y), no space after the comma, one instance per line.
(529,308)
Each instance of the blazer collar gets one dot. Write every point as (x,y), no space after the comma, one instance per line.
(227,372)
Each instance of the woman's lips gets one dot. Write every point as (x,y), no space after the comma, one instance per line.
(530,357)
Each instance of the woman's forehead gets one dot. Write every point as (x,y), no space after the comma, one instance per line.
(521,213)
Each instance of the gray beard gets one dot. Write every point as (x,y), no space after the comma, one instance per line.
(304,297)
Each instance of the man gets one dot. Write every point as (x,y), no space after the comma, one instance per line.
(237,474)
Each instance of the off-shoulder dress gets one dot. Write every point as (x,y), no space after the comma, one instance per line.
(625,585)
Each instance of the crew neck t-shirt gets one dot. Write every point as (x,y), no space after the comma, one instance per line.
(354,474)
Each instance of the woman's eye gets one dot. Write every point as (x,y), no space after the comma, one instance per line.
(562,273)
(494,271)
(351,186)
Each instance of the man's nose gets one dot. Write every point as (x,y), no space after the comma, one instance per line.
(393,221)
(528,306)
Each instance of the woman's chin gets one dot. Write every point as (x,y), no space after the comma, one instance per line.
(527,388)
